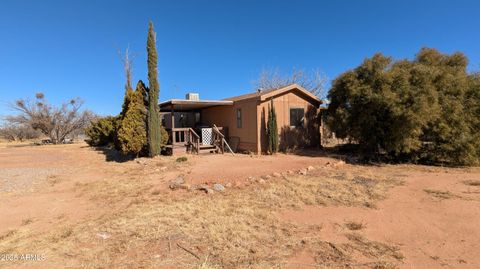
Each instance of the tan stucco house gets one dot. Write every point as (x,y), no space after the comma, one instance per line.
(197,125)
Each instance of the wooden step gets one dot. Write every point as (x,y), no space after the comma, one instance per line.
(207,147)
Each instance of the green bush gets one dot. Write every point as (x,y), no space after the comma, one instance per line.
(424,110)
(101,131)
(163,137)
(181,159)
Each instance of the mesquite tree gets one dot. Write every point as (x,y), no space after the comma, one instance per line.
(55,122)
(154,135)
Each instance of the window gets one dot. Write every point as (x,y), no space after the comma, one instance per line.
(297,116)
(239,118)
(197,118)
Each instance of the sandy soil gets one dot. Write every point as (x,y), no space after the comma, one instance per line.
(37,183)
(433,217)
(433,231)
(238,168)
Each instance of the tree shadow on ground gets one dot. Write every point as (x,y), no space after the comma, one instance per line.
(347,153)
(113,155)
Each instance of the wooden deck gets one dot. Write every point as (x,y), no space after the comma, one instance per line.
(188,140)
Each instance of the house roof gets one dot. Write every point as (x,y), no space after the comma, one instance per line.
(266,94)
(183,104)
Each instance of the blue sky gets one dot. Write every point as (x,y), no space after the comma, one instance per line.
(67,49)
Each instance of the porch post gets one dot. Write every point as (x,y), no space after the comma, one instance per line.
(172,119)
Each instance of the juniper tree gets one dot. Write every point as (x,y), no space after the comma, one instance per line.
(420,110)
(127,64)
(132,133)
(272,129)
(154,135)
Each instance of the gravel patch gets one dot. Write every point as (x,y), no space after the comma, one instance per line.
(24,179)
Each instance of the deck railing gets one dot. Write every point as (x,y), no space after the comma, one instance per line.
(185,137)
(218,138)
(189,138)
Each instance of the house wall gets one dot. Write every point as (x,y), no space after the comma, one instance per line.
(289,137)
(252,135)
(226,116)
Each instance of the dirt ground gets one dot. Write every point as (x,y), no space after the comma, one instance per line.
(79,208)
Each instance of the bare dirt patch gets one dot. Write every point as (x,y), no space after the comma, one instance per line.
(429,232)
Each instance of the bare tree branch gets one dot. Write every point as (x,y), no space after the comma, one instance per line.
(55,122)
(314,81)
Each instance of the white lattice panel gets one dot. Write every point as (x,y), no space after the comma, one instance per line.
(207,136)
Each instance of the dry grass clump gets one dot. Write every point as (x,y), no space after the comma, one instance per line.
(442,195)
(354,226)
(113,190)
(239,229)
(374,249)
(321,189)
(475,183)
(343,255)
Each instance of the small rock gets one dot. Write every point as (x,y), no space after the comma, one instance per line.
(303,172)
(209,191)
(163,168)
(290,172)
(266,177)
(262,181)
(340,163)
(179,180)
(310,168)
(276,174)
(104,235)
(185,186)
(177,183)
(205,188)
(218,187)
(228,185)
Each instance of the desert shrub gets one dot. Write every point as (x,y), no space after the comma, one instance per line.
(181,159)
(18,132)
(101,131)
(425,110)
(163,137)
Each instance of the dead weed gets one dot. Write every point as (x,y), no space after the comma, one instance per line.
(442,195)
(475,183)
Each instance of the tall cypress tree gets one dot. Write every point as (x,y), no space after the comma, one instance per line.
(272,129)
(154,136)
